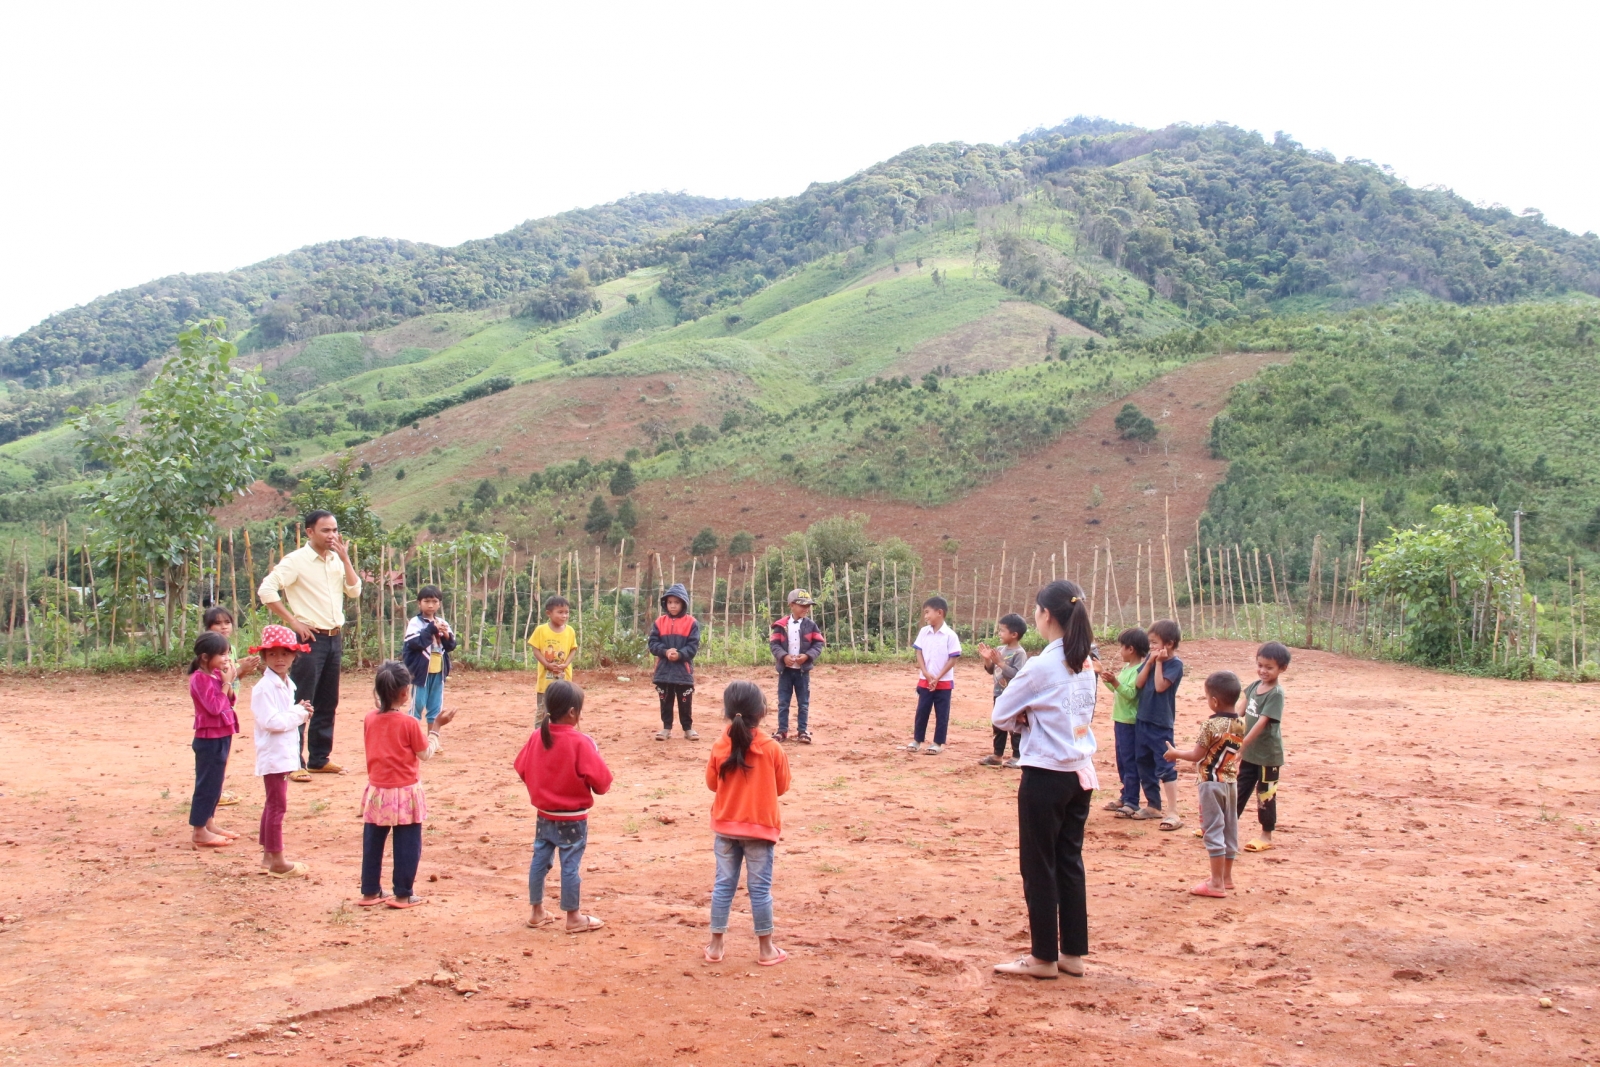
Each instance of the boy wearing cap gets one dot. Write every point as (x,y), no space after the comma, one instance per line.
(796,643)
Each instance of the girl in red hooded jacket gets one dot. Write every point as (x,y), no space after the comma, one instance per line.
(563,772)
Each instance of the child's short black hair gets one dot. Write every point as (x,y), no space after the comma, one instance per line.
(937,603)
(1223,686)
(555,602)
(1277,652)
(215,614)
(429,592)
(1168,631)
(1015,623)
(1135,638)
(390,684)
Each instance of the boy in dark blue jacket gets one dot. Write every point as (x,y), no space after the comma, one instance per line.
(796,644)
(674,640)
(429,642)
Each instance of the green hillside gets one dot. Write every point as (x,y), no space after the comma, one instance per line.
(361,283)
(1409,407)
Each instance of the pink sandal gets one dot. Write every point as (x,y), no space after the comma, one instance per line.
(1203,889)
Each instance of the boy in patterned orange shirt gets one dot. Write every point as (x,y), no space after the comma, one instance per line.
(1216,753)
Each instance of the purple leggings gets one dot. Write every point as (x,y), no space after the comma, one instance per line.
(271,835)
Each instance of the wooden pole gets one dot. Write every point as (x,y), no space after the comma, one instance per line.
(1094,592)
(1166,555)
(1138,576)
(11,581)
(850,608)
(1111,584)
(1188,584)
(27,630)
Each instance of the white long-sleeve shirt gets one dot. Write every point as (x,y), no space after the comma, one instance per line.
(277,718)
(1058,735)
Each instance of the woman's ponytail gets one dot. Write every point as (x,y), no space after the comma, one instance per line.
(745,706)
(563,698)
(1065,603)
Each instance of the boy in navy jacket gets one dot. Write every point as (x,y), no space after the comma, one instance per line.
(674,640)
(796,644)
(428,644)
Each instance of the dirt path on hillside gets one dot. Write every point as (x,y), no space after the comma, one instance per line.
(1435,878)
(1036,505)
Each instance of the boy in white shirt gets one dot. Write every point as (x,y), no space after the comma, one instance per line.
(938,648)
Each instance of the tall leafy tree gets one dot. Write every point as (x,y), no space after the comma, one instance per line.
(196,438)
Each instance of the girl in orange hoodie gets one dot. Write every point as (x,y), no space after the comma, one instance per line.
(748,772)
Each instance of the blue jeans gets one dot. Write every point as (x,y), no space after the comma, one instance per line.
(796,682)
(938,702)
(1127,767)
(1149,749)
(428,697)
(571,836)
(757,856)
(407,854)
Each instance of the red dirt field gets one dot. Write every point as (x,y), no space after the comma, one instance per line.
(1435,878)
(1039,503)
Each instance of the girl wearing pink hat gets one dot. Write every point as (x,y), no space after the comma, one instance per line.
(277,735)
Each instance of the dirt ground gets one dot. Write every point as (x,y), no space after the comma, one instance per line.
(1434,879)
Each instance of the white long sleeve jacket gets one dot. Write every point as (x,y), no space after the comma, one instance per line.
(1058,734)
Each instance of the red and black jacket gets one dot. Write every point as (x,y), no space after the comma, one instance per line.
(811,642)
(681,632)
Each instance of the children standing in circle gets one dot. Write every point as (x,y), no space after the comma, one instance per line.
(219,619)
(563,771)
(428,644)
(674,641)
(1216,752)
(394,800)
(796,643)
(1135,647)
(278,719)
(748,772)
(1157,682)
(211,689)
(1262,756)
(553,643)
(1051,702)
(1004,663)
(938,648)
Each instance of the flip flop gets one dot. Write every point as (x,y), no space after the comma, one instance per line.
(363,902)
(709,957)
(546,921)
(774,961)
(1171,822)
(590,923)
(1145,814)
(299,870)
(1115,805)
(224,843)
(411,902)
(1258,846)
(1203,889)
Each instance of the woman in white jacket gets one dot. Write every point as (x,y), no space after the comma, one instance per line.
(1051,704)
(277,736)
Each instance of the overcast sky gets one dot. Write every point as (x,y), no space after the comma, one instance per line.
(147,139)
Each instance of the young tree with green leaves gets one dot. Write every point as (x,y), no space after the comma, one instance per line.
(195,439)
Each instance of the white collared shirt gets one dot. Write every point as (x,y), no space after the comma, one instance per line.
(794,635)
(276,718)
(314,586)
(1058,735)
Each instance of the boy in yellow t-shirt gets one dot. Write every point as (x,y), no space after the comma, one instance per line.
(554,644)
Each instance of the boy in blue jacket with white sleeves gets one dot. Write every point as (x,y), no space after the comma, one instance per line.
(428,644)
(796,644)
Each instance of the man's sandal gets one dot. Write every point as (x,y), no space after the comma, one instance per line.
(1172,822)
(1258,846)
(803,737)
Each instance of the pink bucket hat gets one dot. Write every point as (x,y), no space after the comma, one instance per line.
(276,636)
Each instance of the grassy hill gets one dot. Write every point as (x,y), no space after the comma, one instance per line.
(901,338)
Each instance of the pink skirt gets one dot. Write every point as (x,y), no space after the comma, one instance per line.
(399,806)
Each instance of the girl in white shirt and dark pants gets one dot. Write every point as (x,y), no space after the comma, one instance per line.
(1051,704)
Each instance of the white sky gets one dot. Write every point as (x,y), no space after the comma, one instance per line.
(140,140)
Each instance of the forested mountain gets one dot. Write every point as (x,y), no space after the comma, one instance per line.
(1214,218)
(361,283)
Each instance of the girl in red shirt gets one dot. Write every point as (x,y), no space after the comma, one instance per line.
(563,771)
(393,798)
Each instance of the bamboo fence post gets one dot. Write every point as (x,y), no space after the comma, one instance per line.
(116,593)
(233,572)
(483,612)
(1261,601)
(577,577)
(249,570)
(1138,606)
(11,582)
(616,606)
(1211,583)
(711,604)
(27,630)
(850,607)
(150,600)
(1111,584)
(1094,592)
(500,612)
(1572,613)
(1166,557)
(86,565)
(1188,584)
(866,607)
(894,568)
(1244,590)
(688,608)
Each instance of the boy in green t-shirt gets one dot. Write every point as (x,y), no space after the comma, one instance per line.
(553,643)
(1124,713)
(1262,755)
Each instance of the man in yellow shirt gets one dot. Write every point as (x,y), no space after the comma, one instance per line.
(307,590)
(553,643)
